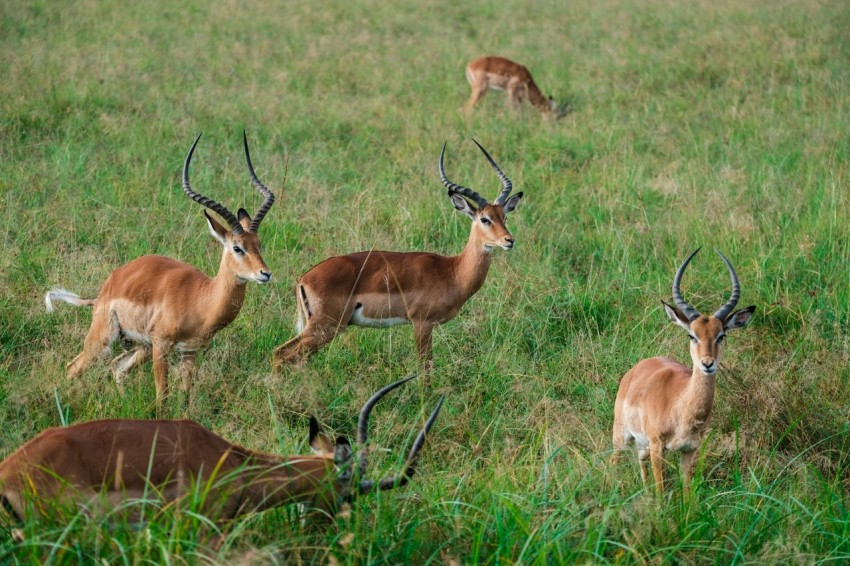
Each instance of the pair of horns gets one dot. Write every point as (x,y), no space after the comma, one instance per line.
(469,193)
(362,436)
(690,312)
(268,196)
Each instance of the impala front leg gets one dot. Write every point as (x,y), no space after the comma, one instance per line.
(423,332)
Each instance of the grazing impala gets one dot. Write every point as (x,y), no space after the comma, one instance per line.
(664,405)
(500,74)
(103,464)
(162,304)
(379,289)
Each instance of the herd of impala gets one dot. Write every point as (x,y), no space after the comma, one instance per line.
(158,304)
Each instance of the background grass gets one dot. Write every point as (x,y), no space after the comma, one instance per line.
(722,124)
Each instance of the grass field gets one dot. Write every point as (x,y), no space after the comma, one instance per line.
(721,124)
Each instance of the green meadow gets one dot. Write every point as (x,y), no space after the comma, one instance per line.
(721,124)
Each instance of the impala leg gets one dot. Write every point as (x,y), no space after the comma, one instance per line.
(656,459)
(643,460)
(619,444)
(477,93)
(187,369)
(160,369)
(514,92)
(688,461)
(102,333)
(423,331)
(311,339)
(126,361)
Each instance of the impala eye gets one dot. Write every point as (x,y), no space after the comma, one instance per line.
(486,221)
(693,338)
(238,251)
(720,338)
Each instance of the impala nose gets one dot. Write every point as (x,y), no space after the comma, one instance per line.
(509,242)
(265,276)
(709,367)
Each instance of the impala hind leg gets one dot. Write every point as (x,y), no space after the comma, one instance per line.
(126,361)
(104,331)
(187,369)
(311,339)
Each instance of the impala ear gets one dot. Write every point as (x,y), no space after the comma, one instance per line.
(676,316)
(511,203)
(319,443)
(218,231)
(463,205)
(739,319)
(244,219)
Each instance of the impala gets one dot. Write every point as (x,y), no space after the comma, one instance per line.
(500,74)
(161,304)
(101,465)
(379,289)
(664,405)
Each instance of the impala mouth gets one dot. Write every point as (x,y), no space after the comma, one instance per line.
(263,278)
(507,246)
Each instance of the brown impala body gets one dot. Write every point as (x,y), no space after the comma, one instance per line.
(664,405)
(380,289)
(503,75)
(161,304)
(101,464)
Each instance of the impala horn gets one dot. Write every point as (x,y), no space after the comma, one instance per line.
(410,463)
(724,311)
(453,188)
(507,186)
(690,312)
(268,196)
(205,201)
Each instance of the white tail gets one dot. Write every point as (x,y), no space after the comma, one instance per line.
(162,304)
(59,294)
(379,289)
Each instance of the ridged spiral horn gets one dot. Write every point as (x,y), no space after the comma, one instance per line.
(268,196)
(690,312)
(507,186)
(205,201)
(453,188)
(724,311)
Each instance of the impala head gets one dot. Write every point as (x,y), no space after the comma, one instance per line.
(555,110)
(343,455)
(707,332)
(242,248)
(488,220)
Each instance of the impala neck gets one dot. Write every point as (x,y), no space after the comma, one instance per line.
(700,395)
(536,97)
(226,293)
(472,265)
(273,481)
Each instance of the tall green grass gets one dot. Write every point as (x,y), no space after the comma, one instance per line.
(721,124)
